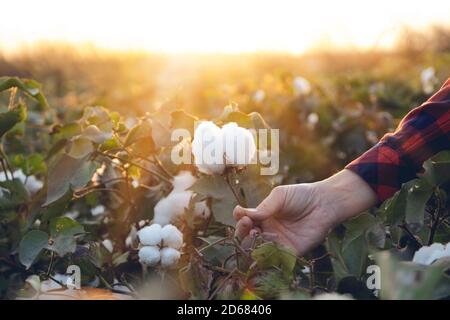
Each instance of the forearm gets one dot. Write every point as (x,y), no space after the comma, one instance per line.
(347,193)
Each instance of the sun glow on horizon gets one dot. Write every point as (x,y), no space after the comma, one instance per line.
(204,26)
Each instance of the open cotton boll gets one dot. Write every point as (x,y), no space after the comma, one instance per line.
(98,210)
(428,79)
(259,95)
(172,206)
(202,210)
(32,184)
(169,257)
(108,245)
(207,148)
(171,237)
(149,255)
(426,255)
(301,86)
(333,296)
(183,181)
(239,145)
(150,235)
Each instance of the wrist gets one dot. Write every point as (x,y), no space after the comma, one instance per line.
(346,194)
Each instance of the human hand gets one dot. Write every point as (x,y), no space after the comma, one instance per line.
(300,216)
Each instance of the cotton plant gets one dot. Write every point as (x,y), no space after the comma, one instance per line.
(160,245)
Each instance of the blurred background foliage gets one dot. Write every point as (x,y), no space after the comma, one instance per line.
(356,96)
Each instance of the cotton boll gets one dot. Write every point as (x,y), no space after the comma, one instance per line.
(171,236)
(332,296)
(150,235)
(33,185)
(149,255)
(202,210)
(259,95)
(426,255)
(183,181)
(428,79)
(207,148)
(239,145)
(108,245)
(169,257)
(98,210)
(312,120)
(18,174)
(172,206)
(301,86)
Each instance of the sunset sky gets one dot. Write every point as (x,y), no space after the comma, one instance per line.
(214,25)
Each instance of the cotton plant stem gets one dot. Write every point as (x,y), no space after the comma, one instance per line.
(4,169)
(50,266)
(410,234)
(220,286)
(212,244)
(435,221)
(160,176)
(5,163)
(241,202)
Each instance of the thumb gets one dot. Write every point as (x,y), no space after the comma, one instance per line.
(267,208)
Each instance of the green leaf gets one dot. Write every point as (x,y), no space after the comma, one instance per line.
(393,209)
(10,118)
(14,194)
(223,200)
(350,261)
(31,246)
(182,119)
(31,165)
(437,169)
(63,231)
(80,148)
(142,130)
(269,255)
(252,120)
(357,227)
(419,192)
(30,87)
(65,173)
(270,284)
(94,134)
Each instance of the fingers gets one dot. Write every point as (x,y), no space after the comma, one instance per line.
(243,227)
(268,207)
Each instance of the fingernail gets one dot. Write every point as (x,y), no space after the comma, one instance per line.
(251,209)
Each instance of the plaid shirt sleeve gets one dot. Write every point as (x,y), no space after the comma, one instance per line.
(399,156)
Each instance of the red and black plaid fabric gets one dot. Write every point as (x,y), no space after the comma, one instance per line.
(399,156)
